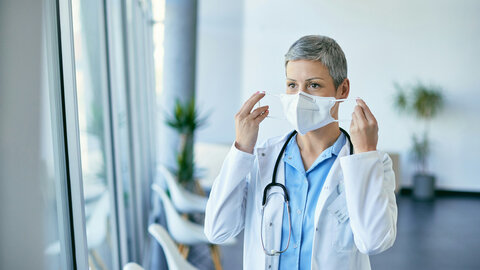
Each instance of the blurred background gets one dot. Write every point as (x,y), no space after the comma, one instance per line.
(116,115)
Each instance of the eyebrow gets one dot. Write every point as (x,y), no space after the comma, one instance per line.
(314,78)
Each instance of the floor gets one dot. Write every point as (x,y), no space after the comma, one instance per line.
(443,235)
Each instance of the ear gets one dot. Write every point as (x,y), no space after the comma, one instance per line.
(343,89)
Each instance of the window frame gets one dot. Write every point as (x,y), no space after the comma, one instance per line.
(136,72)
(72,136)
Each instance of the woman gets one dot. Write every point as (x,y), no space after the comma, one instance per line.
(313,198)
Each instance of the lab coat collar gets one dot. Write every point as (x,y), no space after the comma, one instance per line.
(267,155)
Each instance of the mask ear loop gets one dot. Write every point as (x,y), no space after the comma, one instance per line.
(344,99)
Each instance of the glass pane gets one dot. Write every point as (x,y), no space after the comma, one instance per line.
(120,130)
(91,80)
(57,244)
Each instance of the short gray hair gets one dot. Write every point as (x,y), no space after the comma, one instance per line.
(323,49)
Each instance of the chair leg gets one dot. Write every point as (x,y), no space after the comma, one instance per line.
(91,264)
(186,251)
(181,249)
(99,260)
(199,188)
(215,251)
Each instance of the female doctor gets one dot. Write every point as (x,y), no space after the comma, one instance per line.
(317,197)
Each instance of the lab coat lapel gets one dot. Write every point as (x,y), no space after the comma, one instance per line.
(273,234)
(333,182)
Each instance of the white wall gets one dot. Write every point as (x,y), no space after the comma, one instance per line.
(219,67)
(21,168)
(434,41)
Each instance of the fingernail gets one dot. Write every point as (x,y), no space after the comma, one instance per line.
(263,92)
(257,92)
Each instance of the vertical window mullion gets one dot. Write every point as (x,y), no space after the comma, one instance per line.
(72,136)
(109,149)
(117,88)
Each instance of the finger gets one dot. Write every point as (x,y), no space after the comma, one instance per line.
(355,120)
(352,126)
(261,117)
(359,116)
(258,111)
(368,114)
(248,105)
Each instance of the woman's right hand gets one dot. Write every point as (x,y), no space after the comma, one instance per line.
(247,123)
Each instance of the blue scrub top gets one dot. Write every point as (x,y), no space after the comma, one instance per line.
(303,188)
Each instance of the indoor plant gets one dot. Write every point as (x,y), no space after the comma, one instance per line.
(185,120)
(423,102)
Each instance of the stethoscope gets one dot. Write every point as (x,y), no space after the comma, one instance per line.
(286,199)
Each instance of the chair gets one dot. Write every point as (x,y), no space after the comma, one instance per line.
(132,266)
(175,260)
(183,200)
(186,232)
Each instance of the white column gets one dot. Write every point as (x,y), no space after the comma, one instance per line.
(179,69)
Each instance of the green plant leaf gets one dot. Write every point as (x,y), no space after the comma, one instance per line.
(424,102)
(185,120)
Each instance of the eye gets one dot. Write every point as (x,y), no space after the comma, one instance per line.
(315,85)
(291,85)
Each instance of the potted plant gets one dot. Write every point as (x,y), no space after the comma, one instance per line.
(185,120)
(423,102)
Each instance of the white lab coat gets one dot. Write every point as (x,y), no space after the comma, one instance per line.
(356,213)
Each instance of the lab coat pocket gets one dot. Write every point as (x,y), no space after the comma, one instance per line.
(343,235)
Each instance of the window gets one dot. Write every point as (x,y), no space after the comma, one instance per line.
(56,225)
(108,84)
(94,125)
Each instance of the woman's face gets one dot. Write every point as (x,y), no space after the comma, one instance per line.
(313,78)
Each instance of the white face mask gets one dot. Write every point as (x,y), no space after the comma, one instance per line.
(308,112)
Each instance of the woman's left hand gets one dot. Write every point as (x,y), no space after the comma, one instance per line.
(363,129)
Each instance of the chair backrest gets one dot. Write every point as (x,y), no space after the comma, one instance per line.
(183,231)
(171,182)
(175,260)
(171,213)
(183,200)
(132,266)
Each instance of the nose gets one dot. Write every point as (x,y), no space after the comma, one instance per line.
(302,88)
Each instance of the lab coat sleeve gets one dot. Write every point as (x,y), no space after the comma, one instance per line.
(225,212)
(369,188)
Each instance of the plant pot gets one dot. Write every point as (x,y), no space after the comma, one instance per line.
(423,186)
